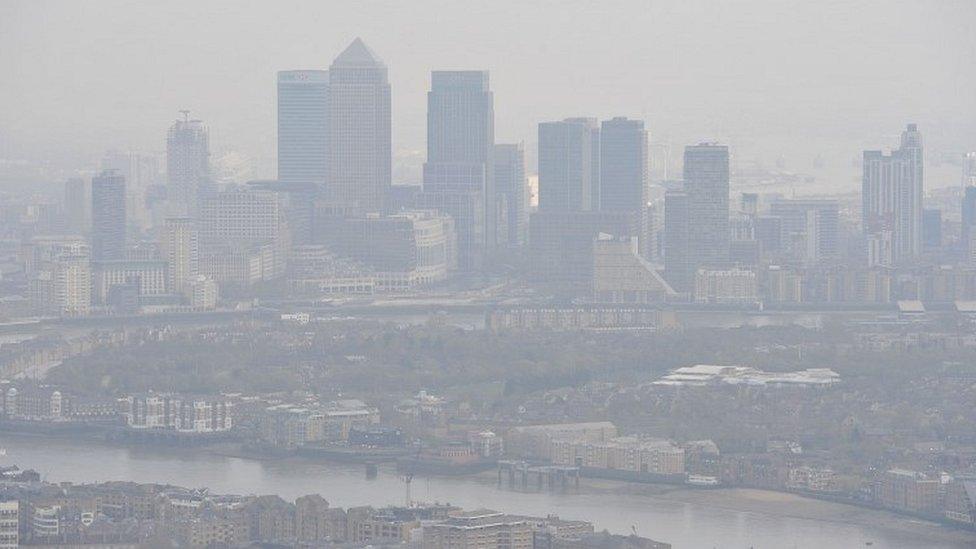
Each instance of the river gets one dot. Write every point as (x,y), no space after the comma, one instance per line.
(681,523)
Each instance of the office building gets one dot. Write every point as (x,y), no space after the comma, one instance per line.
(621,275)
(594,126)
(467,209)
(359,139)
(460,157)
(145,277)
(968,214)
(566,160)
(891,199)
(241,237)
(403,250)
(512,195)
(810,229)
(679,264)
(727,286)
(303,127)
(76,206)
(108,216)
(706,182)
(187,165)
(141,171)
(239,216)
(624,182)
(931,228)
(561,245)
(969,170)
(623,165)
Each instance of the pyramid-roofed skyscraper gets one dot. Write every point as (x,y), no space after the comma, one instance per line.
(360,148)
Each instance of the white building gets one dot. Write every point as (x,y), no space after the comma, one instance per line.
(149,276)
(702,375)
(726,286)
(9,524)
(203,293)
(180,247)
(173,412)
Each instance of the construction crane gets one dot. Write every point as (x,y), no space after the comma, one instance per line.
(408,473)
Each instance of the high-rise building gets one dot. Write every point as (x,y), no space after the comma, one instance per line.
(566,159)
(180,246)
(969,170)
(931,228)
(241,237)
(891,198)
(60,277)
(72,281)
(303,127)
(108,216)
(624,182)
(187,165)
(706,182)
(460,155)
(679,266)
(514,194)
(239,216)
(561,245)
(623,165)
(594,126)
(359,139)
(76,206)
(968,214)
(810,228)
(141,171)
(9,523)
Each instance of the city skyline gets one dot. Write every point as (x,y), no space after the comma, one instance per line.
(566,266)
(657,99)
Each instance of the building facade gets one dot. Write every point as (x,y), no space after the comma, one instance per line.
(303,127)
(108,216)
(359,135)
(187,165)
(460,156)
(891,200)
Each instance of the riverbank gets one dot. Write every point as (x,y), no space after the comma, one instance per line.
(748,500)
(774,503)
(686,517)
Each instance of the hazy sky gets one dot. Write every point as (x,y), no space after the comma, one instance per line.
(770,77)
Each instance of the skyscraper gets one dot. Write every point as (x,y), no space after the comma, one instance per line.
(891,198)
(566,159)
(359,139)
(187,165)
(303,130)
(513,192)
(141,171)
(623,165)
(76,206)
(108,216)
(969,169)
(706,182)
(460,155)
(968,215)
(811,228)
(679,268)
